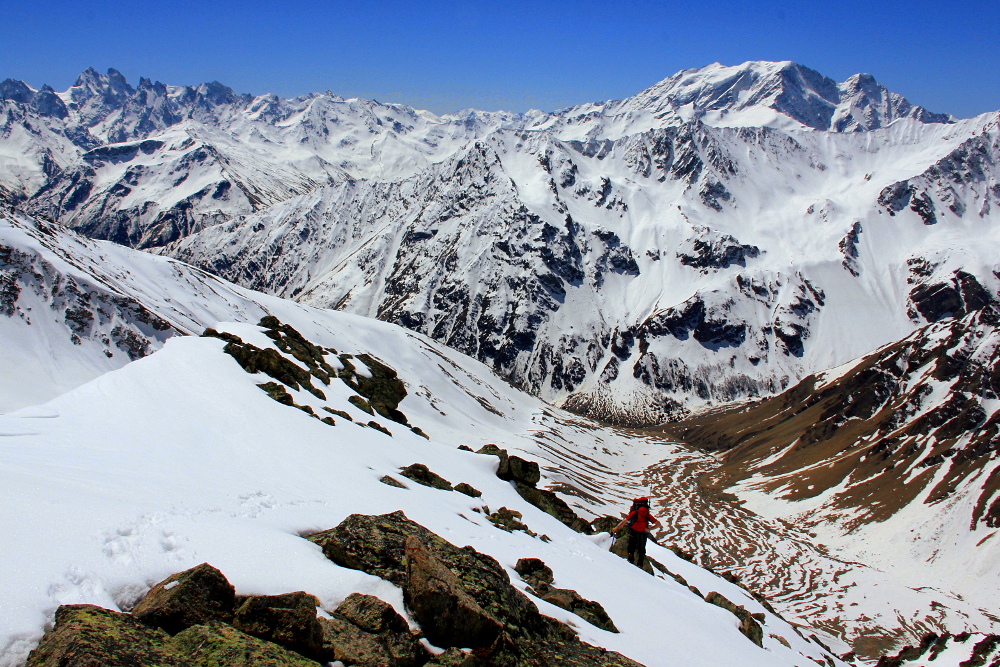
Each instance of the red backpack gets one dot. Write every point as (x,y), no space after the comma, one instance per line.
(639,512)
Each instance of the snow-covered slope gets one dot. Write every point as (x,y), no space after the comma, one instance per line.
(179,458)
(72,309)
(107,490)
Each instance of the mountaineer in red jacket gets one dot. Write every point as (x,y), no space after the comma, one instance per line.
(638,521)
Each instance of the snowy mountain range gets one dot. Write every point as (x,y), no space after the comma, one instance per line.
(717,236)
(723,238)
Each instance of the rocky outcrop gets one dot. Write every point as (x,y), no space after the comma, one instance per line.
(288,620)
(446,612)
(420,474)
(197,596)
(217,644)
(748,624)
(85,636)
(377,545)
(525,474)
(367,632)
(460,597)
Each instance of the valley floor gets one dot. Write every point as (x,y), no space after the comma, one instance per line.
(851,605)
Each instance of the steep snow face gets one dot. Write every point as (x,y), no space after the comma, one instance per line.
(634,277)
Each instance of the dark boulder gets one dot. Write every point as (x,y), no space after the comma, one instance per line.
(565,598)
(193,597)
(218,644)
(539,576)
(554,506)
(87,636)
(748,625)
(468,490)
(288,619)
(420,474)
(367,632)
(513,468)
(448,615)
(534,570)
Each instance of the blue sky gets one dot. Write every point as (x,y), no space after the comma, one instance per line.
(445,56)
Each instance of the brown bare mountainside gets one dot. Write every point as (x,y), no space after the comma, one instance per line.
(910,422)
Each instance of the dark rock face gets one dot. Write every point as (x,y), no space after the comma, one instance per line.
(446,612)
(748,625)
(367,632)
(709,251)
(85,636)
(935,301)
(216,644)
(288,620)
(849,249)
(197,596)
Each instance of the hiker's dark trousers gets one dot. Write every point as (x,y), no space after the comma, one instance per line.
(636,547)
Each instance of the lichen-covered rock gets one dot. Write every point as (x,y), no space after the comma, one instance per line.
(288,619)
(565,598)
(553,505)
(88,636)
(454,657)
(748,625)
(570,653)
(513,468)
(420,474)
(468,490)
(534,570)
(219,645)
(447,614)
(193,597)
(367,632)
(377,545)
